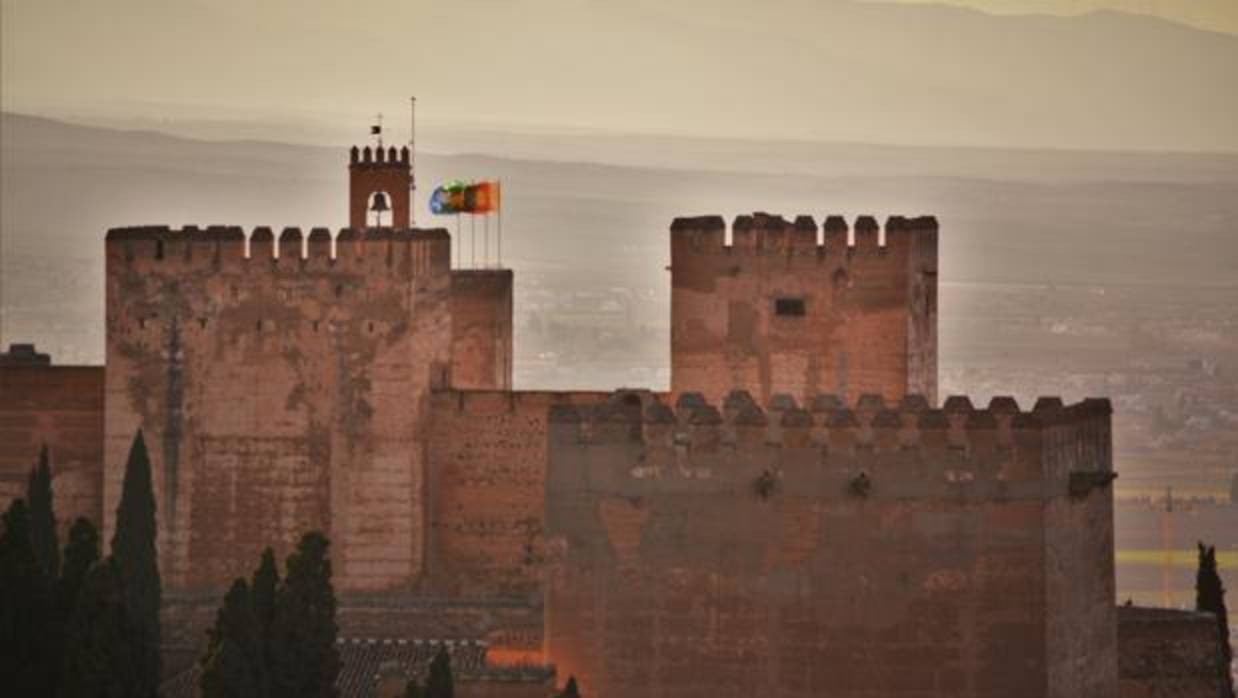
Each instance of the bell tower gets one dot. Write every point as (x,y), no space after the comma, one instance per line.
(379,183)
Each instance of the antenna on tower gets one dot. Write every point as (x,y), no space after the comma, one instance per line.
(412,161)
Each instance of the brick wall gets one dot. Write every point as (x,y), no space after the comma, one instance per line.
(277,394)
(481,329)
(61,406)
(703,554)
(869,309)
(1166,653)
(487,480)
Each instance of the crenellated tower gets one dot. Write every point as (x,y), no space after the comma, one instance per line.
(379,187)
(791,307)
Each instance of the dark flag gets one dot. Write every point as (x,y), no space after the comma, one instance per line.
(375,130)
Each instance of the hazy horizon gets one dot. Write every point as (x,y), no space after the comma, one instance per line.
(792,71)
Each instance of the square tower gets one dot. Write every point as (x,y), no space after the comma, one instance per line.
(782,309)
(379,181)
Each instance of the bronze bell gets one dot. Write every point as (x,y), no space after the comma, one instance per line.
(380,203)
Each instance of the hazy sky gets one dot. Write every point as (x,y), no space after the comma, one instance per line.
(784,69)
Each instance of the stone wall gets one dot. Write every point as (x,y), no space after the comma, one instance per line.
(779,311)
(488,487)
(874,551)
(62,407)
(277,394)
(1167,653)
(481,329)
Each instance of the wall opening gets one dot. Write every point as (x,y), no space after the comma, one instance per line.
(789,307)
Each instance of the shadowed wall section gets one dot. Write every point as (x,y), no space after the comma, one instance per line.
(62,407)
(795,552)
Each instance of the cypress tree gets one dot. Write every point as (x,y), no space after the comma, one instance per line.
(570,690)
(263,590)
(439,683)
(233,666)
(304,659)
(99,657)
(133,546)
(80,553)
(42,516)
(26,641)
(1210,597)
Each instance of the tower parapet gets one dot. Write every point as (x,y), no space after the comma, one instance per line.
(792,307)
(906,450)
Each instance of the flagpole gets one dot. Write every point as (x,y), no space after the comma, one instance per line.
(412,160)
(499,209)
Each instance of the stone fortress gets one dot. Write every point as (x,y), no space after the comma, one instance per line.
(798,516)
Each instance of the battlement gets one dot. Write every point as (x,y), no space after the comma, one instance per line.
(219,244)
(763,233)
(999,444)
(368,156)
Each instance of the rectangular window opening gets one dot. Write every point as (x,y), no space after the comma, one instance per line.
(789,307)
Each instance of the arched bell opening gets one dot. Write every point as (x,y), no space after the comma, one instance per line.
(378,208)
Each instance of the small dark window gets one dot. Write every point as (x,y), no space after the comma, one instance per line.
(789,307)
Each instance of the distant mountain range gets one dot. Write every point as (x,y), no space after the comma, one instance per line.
(800,70)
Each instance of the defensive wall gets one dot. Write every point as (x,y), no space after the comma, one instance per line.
(1168,653)
(481,321)
(793,307)
(60,407)
(280,387)
(733,550)
(488,491)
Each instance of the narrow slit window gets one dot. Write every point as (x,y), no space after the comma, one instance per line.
(789,307)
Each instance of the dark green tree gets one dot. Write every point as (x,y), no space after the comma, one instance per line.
(1210,597)
(98,658)
(264,589)
(570,690)
(412,689)
(26,640)
(80,554)
(43,517)
(304,659)
(233,665)
(133,546)
(438,682)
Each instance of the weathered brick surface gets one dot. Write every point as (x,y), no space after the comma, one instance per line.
(488,488)
(672,575)
(481,321)
(1165,653)
(62,407)
(277,395)
(870,309)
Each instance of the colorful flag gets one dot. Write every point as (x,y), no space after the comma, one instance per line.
(457,197)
